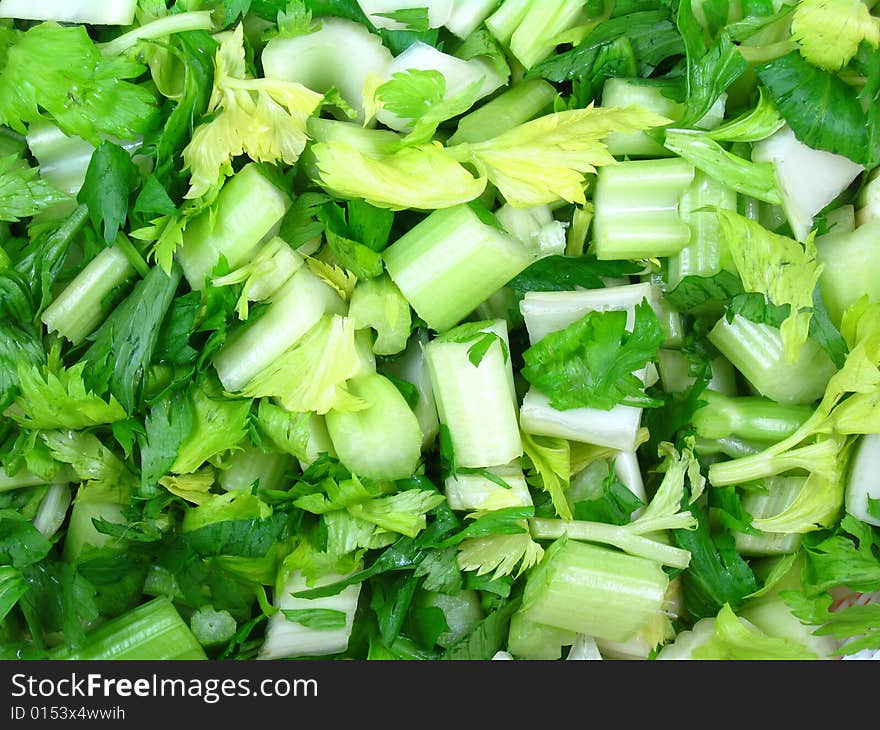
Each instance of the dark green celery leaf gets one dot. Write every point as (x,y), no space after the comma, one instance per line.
(59,598)
(363,261)
(16,302)
(440,571)
(696,291)
(348,9)
(427,624)
(111,178)
(370,225)
(614,506)
(717,574)
(823,111)
(172,345)
(591,363)
(20,345)
(564,273)
(505,521)
(390,598)
(651,35)
(825,334)
(197,49)
(726,507)
(21,544)
(123,346)
(153,199)
(167,425)
(246,538)
(710,71)
(316,618)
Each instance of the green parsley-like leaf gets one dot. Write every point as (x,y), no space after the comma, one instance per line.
(111,178)
(323,619)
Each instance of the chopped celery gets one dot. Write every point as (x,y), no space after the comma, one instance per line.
(247,209)
(520,103)
(451,262)
(93,12)
(378,303)
(748,417)
(637,209)
(467,15)
(595,591)
(53,509)
(153,630)
(287,638)
(623,92)
(313,60)
(533,641)
(381,13)
(63,160)
(467,491)
(84,303)
(382,441)
(851,267)
(293,310)
(476,402)
(535,36)
(535,227)
(252,465)
(211,627)
(462,612)
(757,351)
(82,535)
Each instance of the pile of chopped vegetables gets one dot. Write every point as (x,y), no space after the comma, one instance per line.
(439,329)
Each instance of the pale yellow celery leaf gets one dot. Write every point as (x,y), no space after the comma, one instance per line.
(311,376)
(342,280)
(264,119)
(664,510)
(547,159)
(829,31)
(422,177)
(551,468)
(817,505)
(734,638)
(778,267)
(372,102)
(194,488)
(499,554)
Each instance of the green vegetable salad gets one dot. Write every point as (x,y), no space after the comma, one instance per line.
(440,329)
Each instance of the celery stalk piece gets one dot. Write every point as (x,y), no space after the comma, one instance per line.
(757,351)
(160,28)
(533,641)
(378,304)
(781,492)
(470,492)
(675,377)
(53,509)
(412,367)
(92,12)
(462,611)
(586,482)
(851,267)
(477,403)
(594,590)
(808,179)
(382,441)
(152,631)
(637,209)
(292,312)
(319,441)
(265,273)
(687,641)
(535,36)
(313,60)
(287,639)
(251,465)
(458,73)
(748,417)
(451,262)
(616,429)
(84,303)
(372,142)
(705,254)
(516,105)
(63,160)
(546,312)
(81,531)
(21,478)
(863,480)
(506,19)
(624,92)
(467,15)
(535,227)
(438,12)
(247,209)
(212,627)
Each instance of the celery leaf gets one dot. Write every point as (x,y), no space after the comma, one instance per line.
(829,32)
(111,178)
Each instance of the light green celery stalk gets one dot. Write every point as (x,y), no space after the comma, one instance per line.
(294,309)
(532,641)
(594,590)
(252,465)
(779,494)
(382,440)
(623,92)
(535,36)
(637,209)
(850,264)
(82,305)
(706,254)
(313,60)
(159,28)
(475,393)
(247,208)
(452,261)
(151,631)
(747,417)
(378,304)
(516,105)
